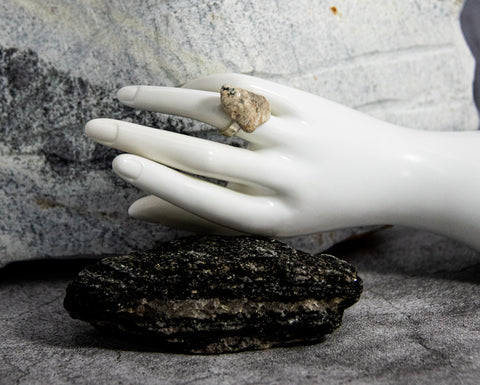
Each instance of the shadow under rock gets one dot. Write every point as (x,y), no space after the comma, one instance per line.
(81,335)
(43,269)
(411,252)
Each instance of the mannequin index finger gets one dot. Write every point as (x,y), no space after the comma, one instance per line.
(195,104)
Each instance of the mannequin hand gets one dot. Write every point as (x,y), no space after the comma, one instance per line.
(275,184)
(314,166)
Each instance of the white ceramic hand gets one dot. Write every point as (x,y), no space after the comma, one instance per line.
(314,166)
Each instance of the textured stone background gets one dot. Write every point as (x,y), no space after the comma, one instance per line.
(62,60)
(416,323)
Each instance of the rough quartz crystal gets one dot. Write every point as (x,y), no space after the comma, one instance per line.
(247,109)
(217,294)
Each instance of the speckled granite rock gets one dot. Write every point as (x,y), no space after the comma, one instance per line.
(400,61)
(216,294)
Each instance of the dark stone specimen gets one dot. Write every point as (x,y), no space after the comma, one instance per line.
(212,294)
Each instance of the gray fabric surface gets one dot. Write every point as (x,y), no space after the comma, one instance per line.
(417,322)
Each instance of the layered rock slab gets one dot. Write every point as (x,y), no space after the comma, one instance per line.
(216,294)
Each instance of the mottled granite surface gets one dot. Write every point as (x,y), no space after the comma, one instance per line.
(62,60)
(417,322)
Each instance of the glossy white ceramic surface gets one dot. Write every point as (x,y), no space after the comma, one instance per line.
(314,166)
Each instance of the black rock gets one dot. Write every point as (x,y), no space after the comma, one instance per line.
(213,294)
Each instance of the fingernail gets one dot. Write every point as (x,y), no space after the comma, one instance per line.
(134,212)
(127,167)
(127,94)
(102,131)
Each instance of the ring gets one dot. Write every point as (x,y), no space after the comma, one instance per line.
(247,109)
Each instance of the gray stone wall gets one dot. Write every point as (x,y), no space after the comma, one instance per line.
(62,60)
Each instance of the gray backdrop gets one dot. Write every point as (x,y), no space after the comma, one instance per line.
(470,20)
